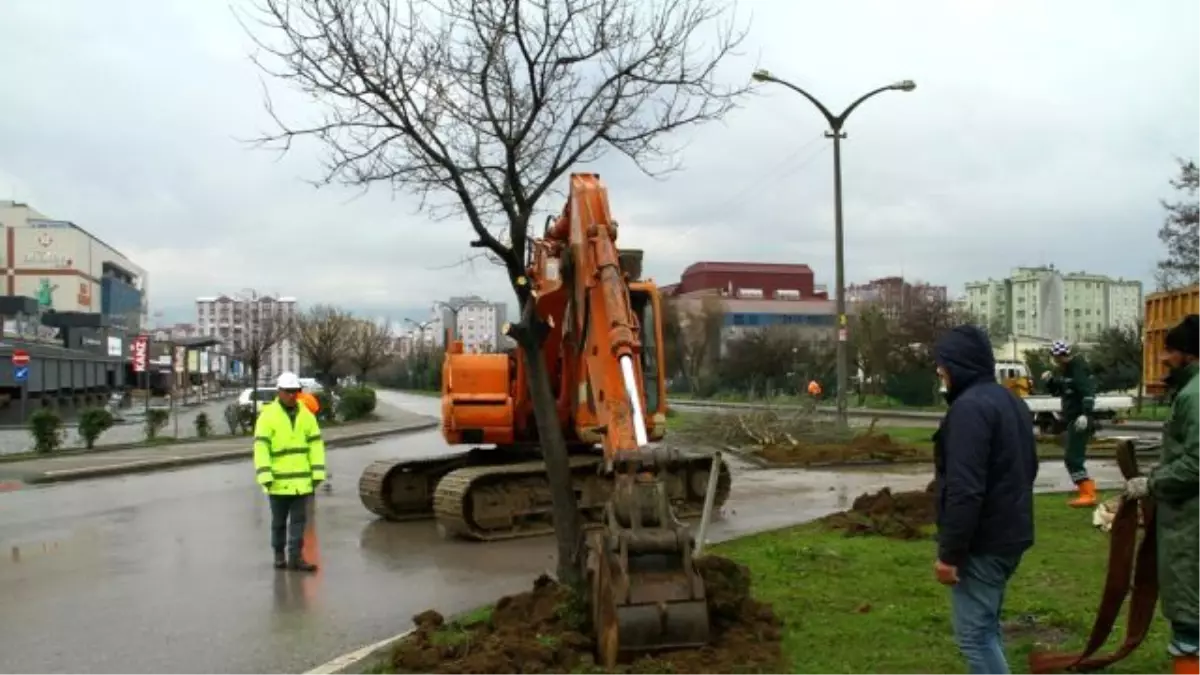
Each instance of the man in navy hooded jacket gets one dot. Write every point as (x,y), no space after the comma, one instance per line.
(986,463)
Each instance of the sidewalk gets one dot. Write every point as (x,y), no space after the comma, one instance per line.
(133,460)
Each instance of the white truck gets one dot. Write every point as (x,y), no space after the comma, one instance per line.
(1046,409)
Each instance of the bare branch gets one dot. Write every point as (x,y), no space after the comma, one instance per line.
(479,107)
(369,347)
(322,336)
(266,325)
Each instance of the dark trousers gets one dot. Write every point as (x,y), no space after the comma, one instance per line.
(289,517)
(1075,457)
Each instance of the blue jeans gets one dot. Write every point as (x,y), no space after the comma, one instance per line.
(976,601)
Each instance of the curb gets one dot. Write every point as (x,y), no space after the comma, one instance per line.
(145,465)
(886,413)
(355,660)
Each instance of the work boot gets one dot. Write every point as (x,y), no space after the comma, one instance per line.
(1087,494)
(1187,665)
(280,561)
(301,565)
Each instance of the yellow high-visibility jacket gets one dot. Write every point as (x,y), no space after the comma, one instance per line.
(288,456)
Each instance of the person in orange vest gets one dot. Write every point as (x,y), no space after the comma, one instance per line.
(309,401)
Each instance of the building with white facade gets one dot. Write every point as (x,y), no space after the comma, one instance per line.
(1045,303)
(68,269)
(478,323)
(237,321)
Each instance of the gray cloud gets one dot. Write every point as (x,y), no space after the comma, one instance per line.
(1039,132)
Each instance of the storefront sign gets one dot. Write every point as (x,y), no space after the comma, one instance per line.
(180,355)
(115,347)
(141,345)
(48,259)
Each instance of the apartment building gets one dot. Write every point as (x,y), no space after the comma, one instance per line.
(894,295)
(478,323)
(1043,302)
(239,321)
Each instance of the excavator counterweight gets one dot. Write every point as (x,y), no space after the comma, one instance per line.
(603,355)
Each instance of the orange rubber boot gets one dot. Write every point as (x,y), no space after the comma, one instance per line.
(1087,494)
(1187,665)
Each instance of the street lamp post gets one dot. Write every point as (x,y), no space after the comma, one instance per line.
(835,132)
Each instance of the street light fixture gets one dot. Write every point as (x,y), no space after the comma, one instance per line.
(835,132)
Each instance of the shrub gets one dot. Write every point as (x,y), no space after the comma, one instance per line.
(357,403)
(46,427)
(328,412)
(155,421)
(92,423)
(203,426)
(239,420)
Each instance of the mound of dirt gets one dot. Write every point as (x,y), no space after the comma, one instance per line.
(868,447)
(902,515)
(543,631)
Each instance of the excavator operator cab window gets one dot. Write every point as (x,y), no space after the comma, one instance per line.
(643,307)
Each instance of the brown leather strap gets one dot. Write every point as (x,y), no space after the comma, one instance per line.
(1122,547)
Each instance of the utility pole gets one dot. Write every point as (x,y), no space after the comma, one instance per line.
(835,132)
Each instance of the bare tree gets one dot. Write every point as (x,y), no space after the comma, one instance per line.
(267,325)
(323,336)
(697,336)
(1180,232)
(368,348)
(480,107)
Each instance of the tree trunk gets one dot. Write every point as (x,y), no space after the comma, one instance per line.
(254,393)
(567,530)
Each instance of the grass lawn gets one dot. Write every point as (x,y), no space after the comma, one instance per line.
(871,605)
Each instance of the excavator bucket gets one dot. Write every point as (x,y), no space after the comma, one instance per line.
(646,593)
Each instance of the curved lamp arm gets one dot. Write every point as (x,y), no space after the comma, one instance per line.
(835,121)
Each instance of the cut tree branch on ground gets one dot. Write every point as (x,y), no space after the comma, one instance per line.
(480,108)
(787,435)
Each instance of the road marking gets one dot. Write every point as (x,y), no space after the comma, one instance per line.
(359,657)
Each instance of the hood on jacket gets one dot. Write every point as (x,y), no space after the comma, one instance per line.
(966,354)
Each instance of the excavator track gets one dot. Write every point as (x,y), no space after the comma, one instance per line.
(402,490)
(491,503)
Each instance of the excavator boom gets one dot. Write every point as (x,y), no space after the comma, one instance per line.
(646,593)
(602,350)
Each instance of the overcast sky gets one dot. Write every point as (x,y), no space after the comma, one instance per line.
(1039,132)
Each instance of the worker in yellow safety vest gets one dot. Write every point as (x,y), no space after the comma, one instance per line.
(289,462)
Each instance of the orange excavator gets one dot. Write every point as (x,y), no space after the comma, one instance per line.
(603,351)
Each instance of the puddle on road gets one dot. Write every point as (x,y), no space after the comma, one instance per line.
(29,550)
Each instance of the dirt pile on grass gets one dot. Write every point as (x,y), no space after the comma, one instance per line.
(545,631)
(798,438)
(900,515)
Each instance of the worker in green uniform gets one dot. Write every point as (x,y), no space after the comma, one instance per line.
(1073,384)
(289,463)
(1175,486)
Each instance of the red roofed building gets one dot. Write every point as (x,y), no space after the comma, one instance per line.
(753,296)
(767,281)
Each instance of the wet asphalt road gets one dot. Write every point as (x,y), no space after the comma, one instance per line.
(170,572)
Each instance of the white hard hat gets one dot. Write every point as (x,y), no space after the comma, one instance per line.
(288,381)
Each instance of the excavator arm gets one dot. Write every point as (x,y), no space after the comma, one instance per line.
(610,381)
(646,594)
